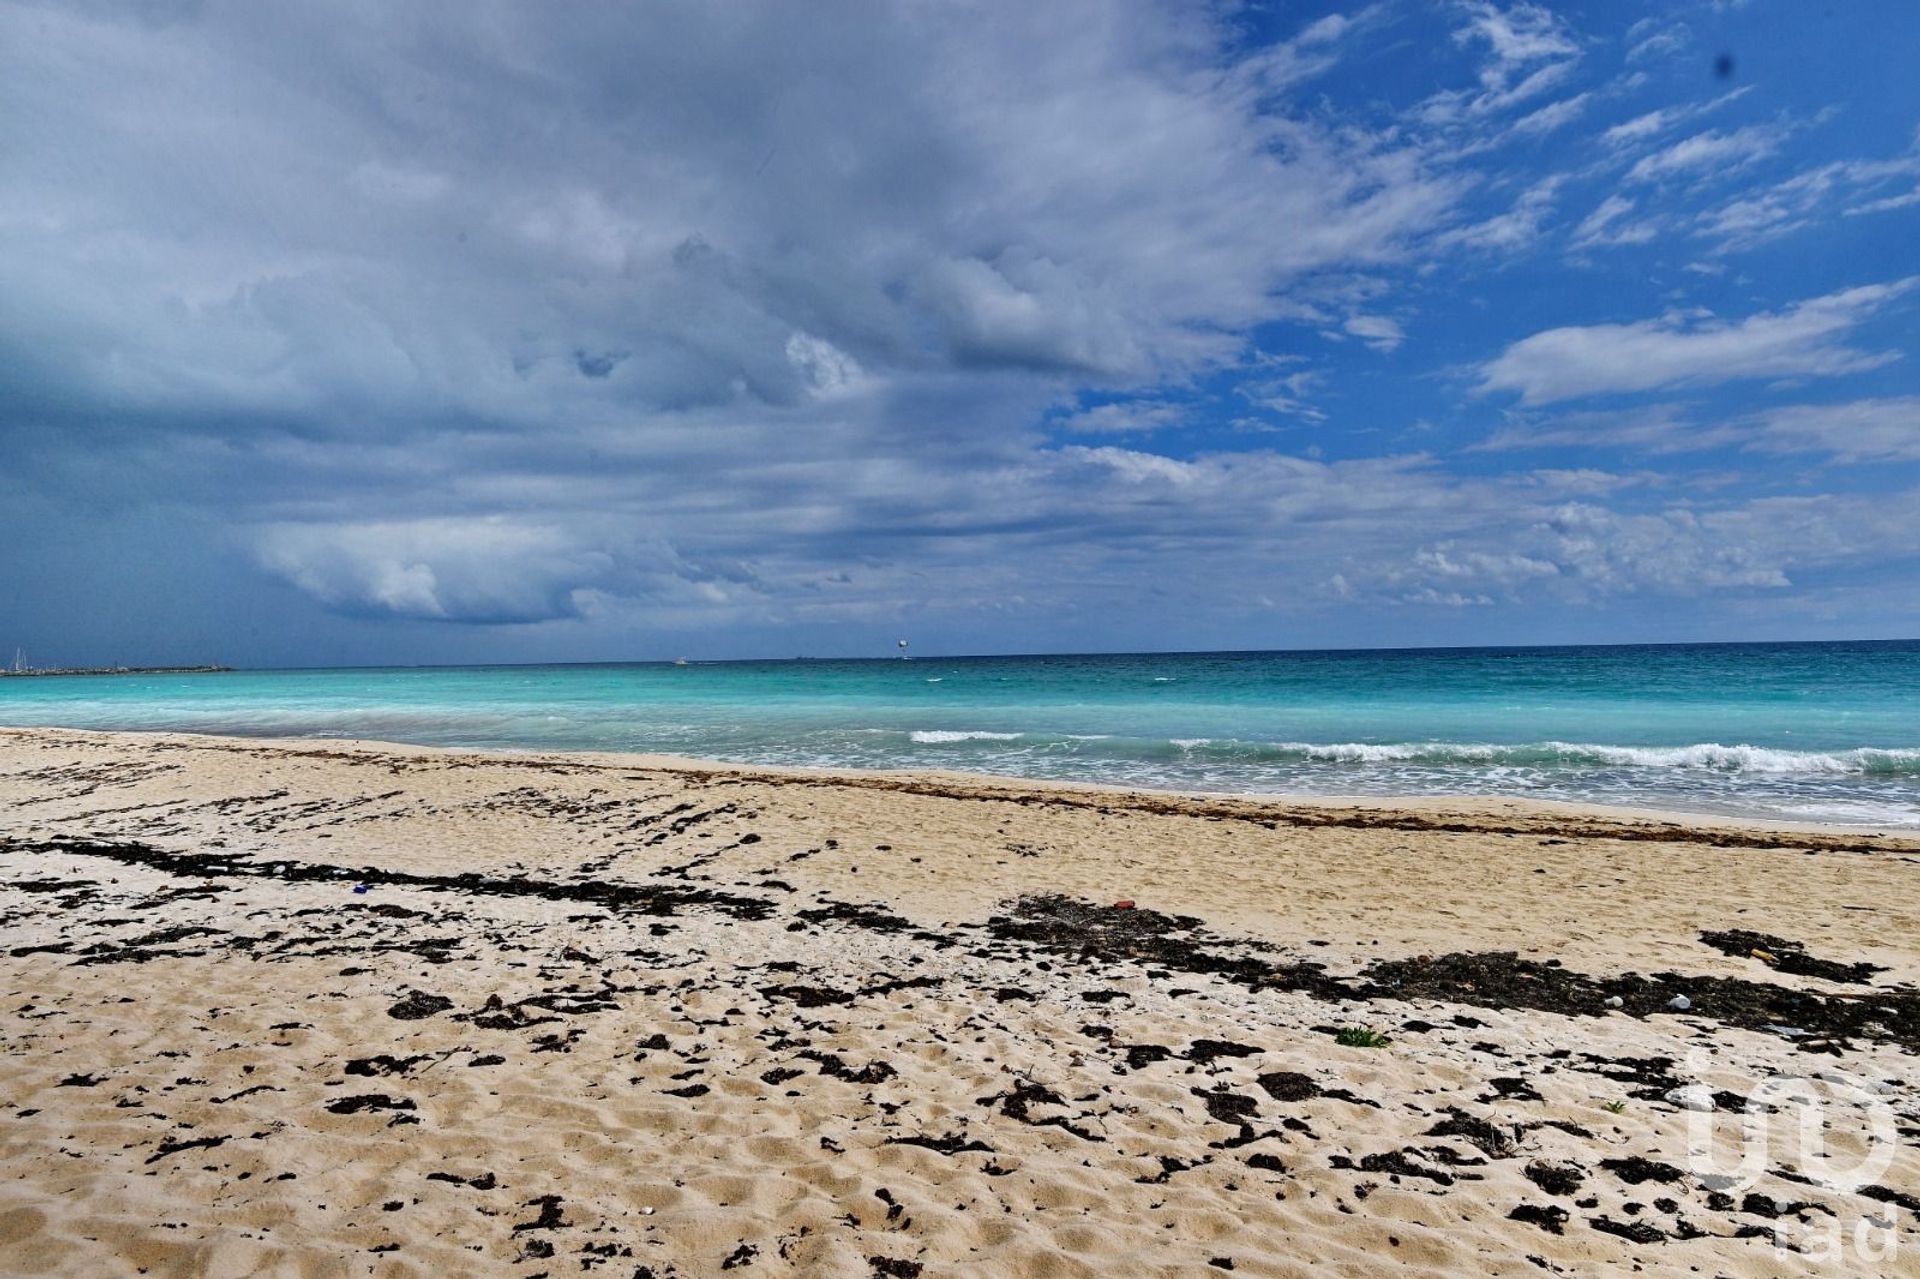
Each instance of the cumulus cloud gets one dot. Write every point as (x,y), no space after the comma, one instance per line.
(1577,551)
(1805,340)
(484,570)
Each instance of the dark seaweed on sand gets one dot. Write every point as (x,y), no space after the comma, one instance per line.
(1094,934)
(1786,956)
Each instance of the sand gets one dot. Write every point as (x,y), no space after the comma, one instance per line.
(630,1017)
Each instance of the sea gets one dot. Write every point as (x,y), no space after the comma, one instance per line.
(1818,732)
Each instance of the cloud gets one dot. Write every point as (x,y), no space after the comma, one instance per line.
(827,370)
(1871,430)
(1805,340)
(1879,429)
(1717,151)
(425,323)
(1767,213)
(1651,123)
(1527,51)
(1285,395)
(1377,331)
(1651,428)
(1646,39)
(1577,551)
(484,570)
(1606,225)
(1887,204)
(1516,36)
(454,313)
(1124,416)
(710,201)
(1553,116)
(1514,229)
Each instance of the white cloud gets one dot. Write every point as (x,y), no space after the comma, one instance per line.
(1124,416)
(827,370)
(1804,340)
(1285,395)
(1713,150)
(1881,429)
(1553,116)
(486,570)
(1651,123)
(1887,204)
(1606,225)
(1529,50)
(1514,229)
(1516,36)
(1765,214)
(1377,331)
(1579,552)
(1644,41)
(1871,430)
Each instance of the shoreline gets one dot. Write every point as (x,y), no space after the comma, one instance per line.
(1420,811)
(325,1007)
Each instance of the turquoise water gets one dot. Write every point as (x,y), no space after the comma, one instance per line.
(1814,732)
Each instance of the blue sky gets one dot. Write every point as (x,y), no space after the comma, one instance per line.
(365,333)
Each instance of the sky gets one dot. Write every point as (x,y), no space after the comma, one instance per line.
(364,333)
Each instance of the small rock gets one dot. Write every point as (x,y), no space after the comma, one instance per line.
(1614,1001)
(1679,1003)
(1692,1097)
(1125,903)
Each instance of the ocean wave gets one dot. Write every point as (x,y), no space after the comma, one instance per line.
(1711,757)
(1699,756)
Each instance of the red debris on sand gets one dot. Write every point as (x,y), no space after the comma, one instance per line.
(1125,903)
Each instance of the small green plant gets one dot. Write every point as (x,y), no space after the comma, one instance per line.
(1615,1107)
(1360,1037)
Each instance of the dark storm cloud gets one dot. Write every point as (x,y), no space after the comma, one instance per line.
(606,280)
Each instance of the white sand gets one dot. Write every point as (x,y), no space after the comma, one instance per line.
(148,1007)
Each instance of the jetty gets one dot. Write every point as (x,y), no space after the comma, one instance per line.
(20,669)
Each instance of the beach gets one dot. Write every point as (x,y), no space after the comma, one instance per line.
(318,1008)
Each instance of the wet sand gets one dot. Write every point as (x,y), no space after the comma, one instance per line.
(321,1008)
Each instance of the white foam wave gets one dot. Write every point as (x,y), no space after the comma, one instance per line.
(1699,756)
(935,736)
(1746,759)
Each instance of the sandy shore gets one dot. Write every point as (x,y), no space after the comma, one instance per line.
(318,1009)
